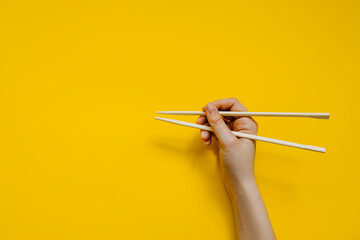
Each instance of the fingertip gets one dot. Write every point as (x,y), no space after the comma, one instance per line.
(205,135)
(210,108)
(205,108)
(201,120)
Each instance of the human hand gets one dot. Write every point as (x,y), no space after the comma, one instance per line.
(237,167)
(236,155)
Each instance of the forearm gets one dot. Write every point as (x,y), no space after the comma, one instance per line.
(252,220)
(237,168)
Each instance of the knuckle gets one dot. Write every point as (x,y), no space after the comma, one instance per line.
(255,125)
(216,121)
(235,100)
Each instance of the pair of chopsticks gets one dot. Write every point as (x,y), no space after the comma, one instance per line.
(247,114)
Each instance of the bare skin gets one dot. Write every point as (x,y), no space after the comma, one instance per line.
(237,157)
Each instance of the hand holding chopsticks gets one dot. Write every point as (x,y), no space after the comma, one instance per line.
(245,135)
(236,157)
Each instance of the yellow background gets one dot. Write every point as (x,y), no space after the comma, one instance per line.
(81,156)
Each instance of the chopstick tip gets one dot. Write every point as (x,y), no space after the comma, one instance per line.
(159,118)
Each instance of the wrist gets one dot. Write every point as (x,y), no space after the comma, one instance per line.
(242,186)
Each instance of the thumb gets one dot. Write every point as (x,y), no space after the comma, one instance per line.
(223,133)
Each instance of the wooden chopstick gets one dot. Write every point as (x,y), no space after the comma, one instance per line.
(245,135)
(257,114)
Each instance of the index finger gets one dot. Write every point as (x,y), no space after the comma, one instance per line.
(231,104)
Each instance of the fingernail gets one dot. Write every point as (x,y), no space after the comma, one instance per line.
(211,108)
(203,134)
